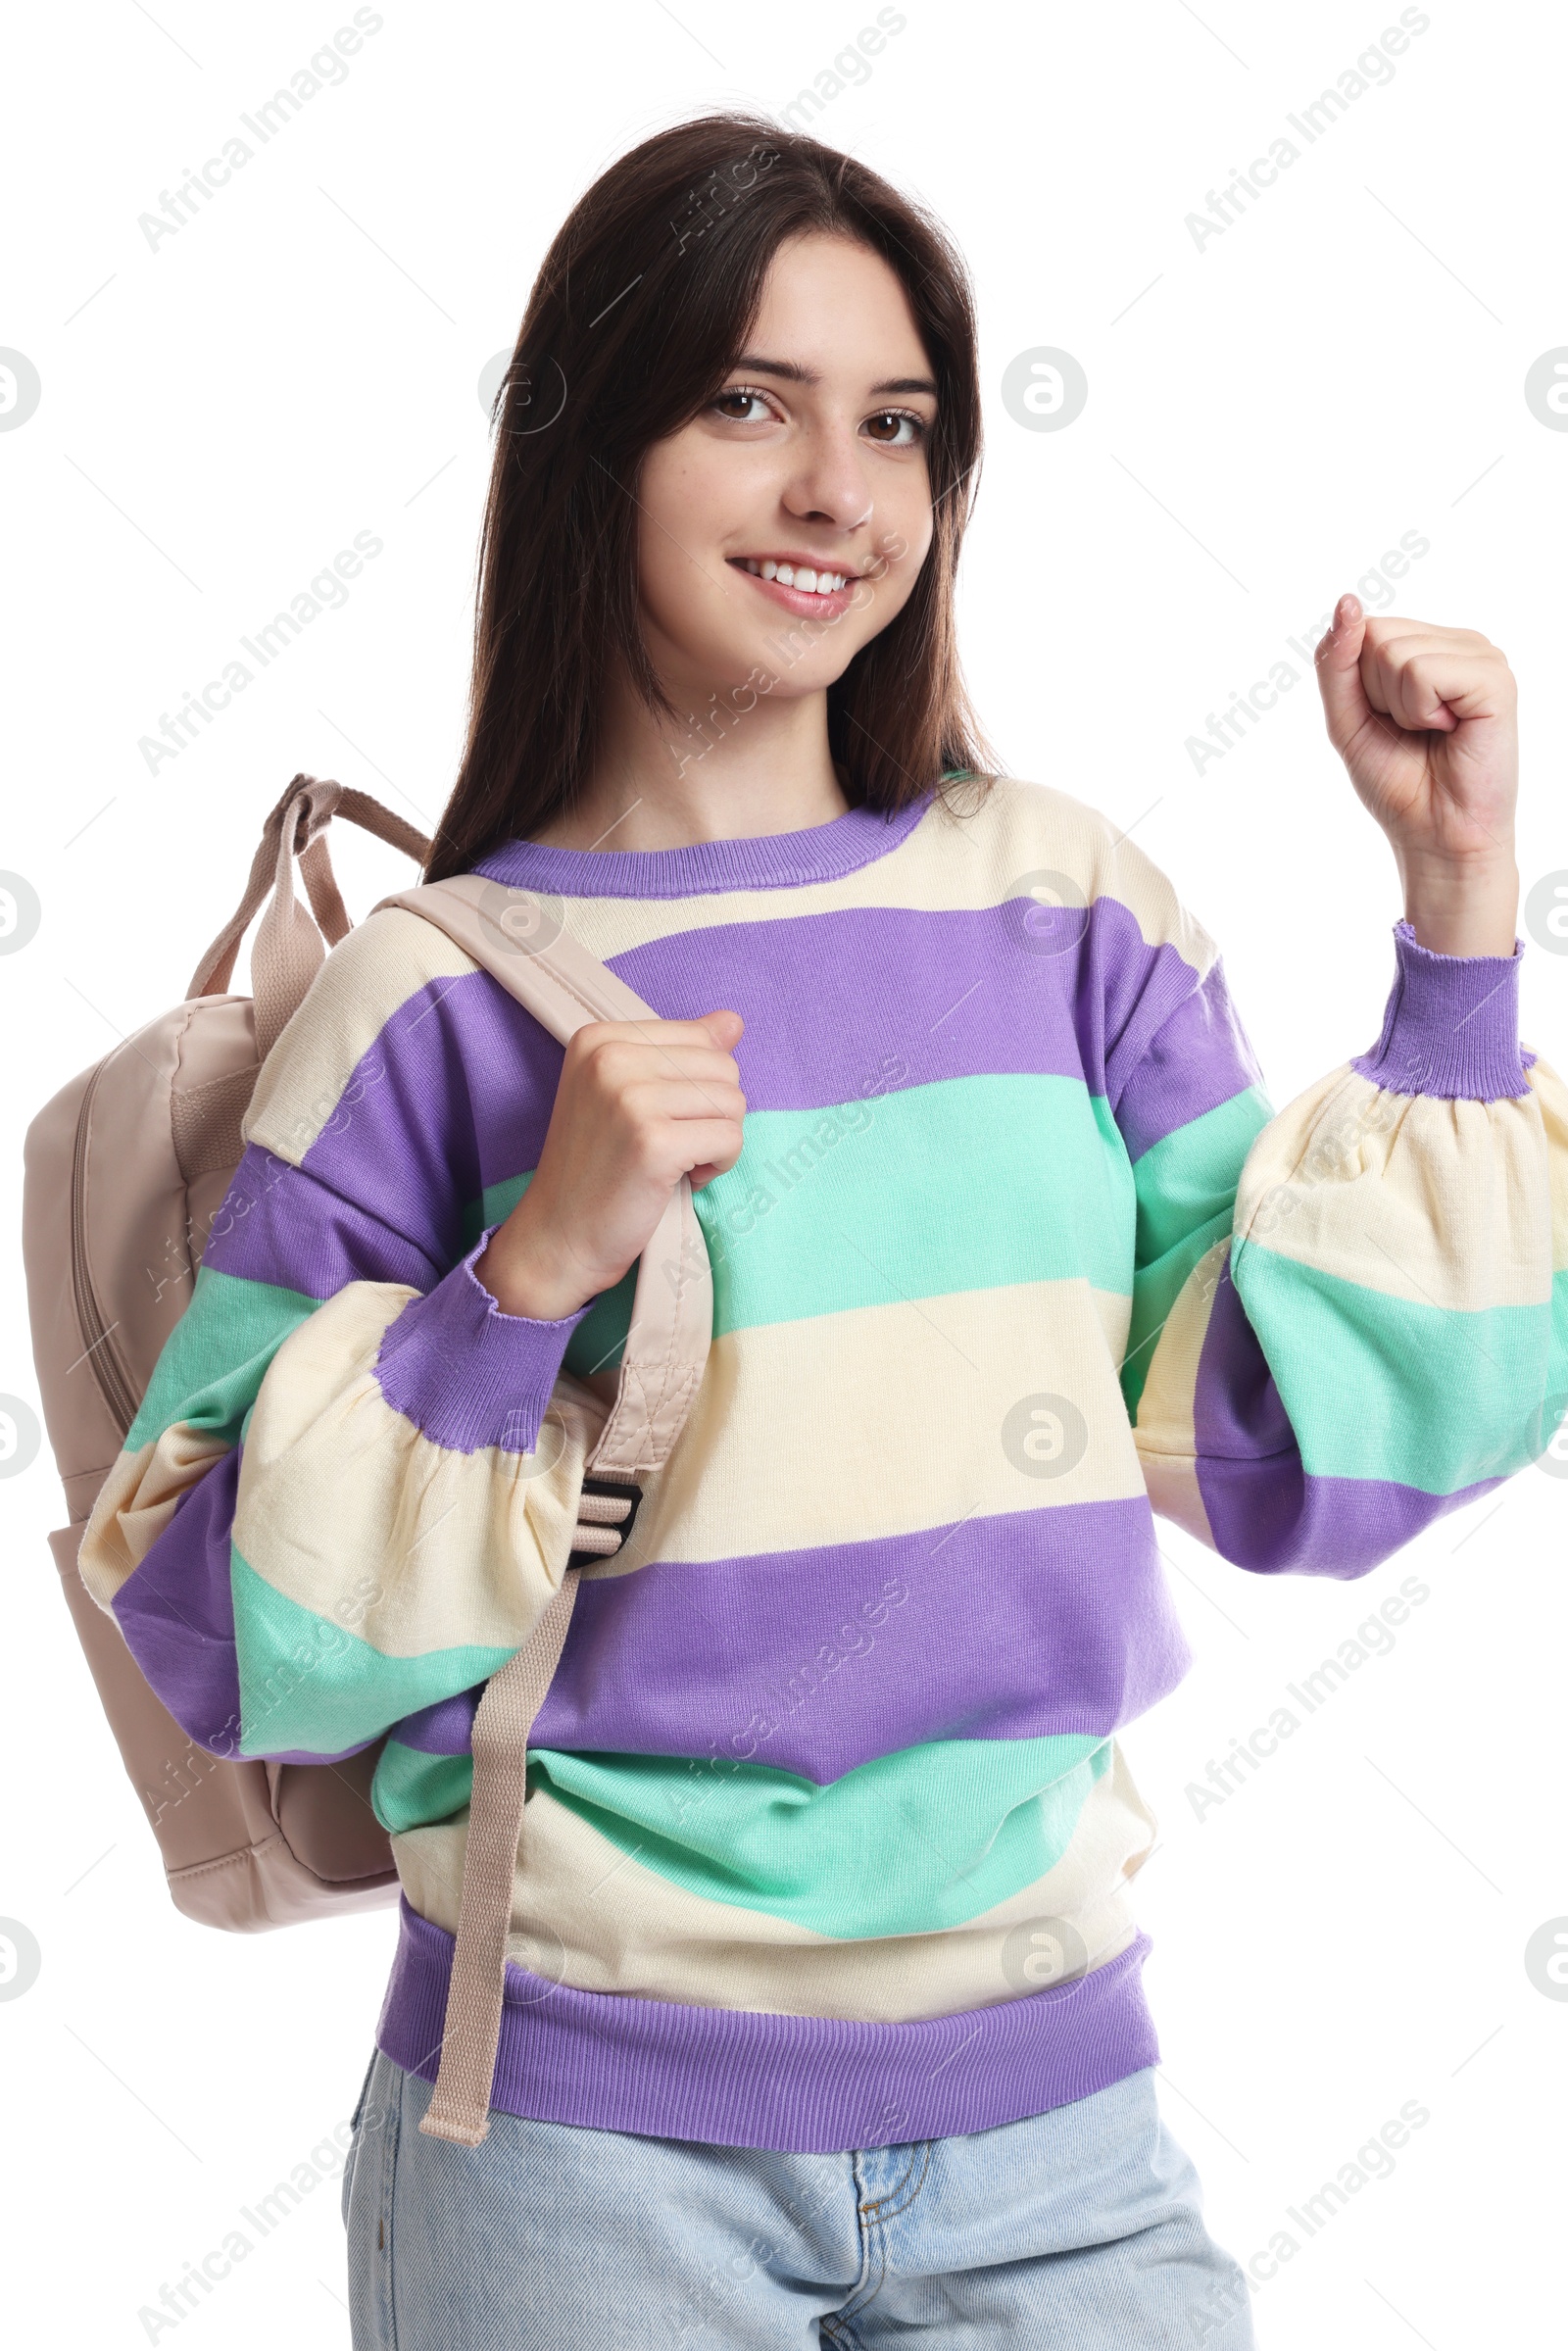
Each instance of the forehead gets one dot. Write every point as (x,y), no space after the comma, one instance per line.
(837,310)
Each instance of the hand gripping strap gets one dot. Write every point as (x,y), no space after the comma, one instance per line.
(519,937)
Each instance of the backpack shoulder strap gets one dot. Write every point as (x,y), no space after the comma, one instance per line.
(520,938)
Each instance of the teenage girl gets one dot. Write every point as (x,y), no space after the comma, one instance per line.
(822,2017)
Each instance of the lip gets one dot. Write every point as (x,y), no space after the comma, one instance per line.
(803,603)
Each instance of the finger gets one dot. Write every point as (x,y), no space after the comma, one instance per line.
(1387,628)
(596,1033)
(713,1145)
(618,1066)
(1403,686)
(680,1097)
(1435,685)
(1341,674)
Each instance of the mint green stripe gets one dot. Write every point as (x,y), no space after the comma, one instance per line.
(966,1822)
(1389,1388)
(410,1789)
(1186,1190)
(310,1685)
(1557,1352)
(214,1357)
(972,1183)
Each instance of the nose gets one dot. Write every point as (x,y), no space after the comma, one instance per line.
(831,485)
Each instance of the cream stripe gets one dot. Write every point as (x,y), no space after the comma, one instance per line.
(1438,1202)
(1166,1439)
(135,1503)
(779,1455)
(1553,1096)
(801,1437)
(339,1492)
(948,863)
(620,1926)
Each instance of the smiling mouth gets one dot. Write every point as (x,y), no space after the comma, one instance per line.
(807,579)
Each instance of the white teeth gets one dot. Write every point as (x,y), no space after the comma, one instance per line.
(813,583)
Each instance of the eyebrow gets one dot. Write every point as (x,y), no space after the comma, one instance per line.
(792,374)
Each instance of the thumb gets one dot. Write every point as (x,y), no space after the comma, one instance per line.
(1346,707)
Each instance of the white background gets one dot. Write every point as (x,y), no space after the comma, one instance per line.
(1343,365)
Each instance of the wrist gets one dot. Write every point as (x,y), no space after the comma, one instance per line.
(1462,906)
(526,1278)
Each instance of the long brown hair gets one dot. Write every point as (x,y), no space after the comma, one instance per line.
(643,301)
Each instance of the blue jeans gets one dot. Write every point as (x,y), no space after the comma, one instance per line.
(1079,2229)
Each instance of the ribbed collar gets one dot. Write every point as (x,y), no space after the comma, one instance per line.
(817,852)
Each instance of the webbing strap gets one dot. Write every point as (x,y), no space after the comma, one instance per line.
(288,949)
(460,2104)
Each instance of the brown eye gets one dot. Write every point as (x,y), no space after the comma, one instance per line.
(746,400)
(886,426)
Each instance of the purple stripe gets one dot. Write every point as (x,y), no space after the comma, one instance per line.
(176,1611)
(1266,1513)
(874,998)
(280,1226)
(1022,1626)
(817,852)
(1452,1027)
(1202,1057)
(744,2078)
(465,1374)
(456,1091)
(455,1094)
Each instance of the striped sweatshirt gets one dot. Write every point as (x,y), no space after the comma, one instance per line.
(828,1836)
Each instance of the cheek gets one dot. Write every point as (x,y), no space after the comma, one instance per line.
(685,511)
(662,570)
(903,531)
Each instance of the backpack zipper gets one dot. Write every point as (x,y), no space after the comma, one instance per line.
(108,1364)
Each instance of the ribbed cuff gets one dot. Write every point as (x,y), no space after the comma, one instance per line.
(1452,1027)
(467,1375)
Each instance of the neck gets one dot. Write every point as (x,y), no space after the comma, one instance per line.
(751,771)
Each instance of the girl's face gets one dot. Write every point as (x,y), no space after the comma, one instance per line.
(809,459)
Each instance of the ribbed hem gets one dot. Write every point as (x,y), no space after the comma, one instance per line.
(817,852)
(465,1374)
(1452,1027)
(734,2077)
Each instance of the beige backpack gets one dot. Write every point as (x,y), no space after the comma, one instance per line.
(126,1170)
